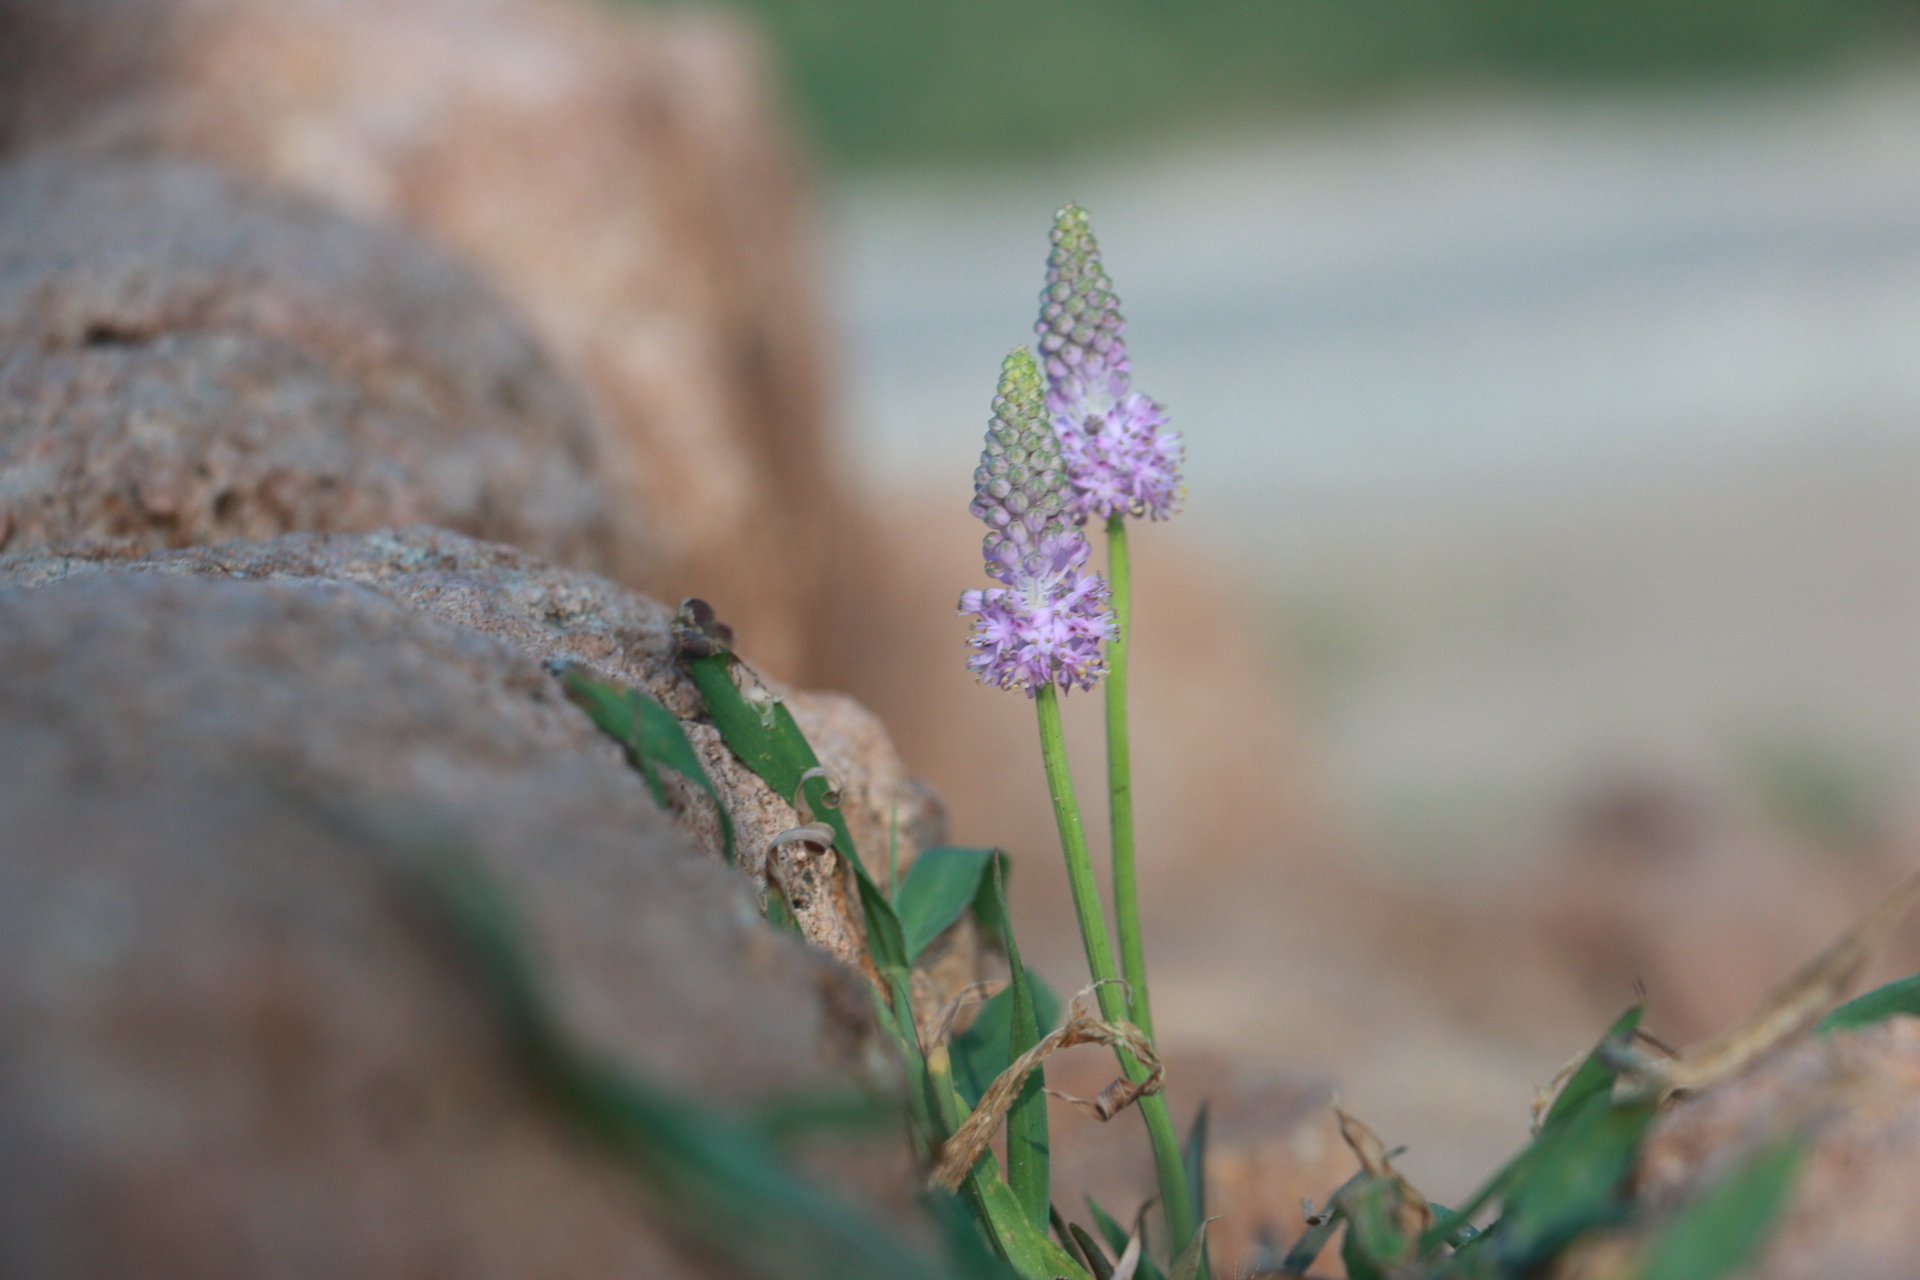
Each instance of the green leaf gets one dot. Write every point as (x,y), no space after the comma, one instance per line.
(967,1249)
(1187,1265)
(940,885)
(1090,1252)
(651,735)
(1877,1005)
(1455,1227)
(1374,1247)
(1593,1075)
(1721,1228)
(717,1180)
(1574,1180)
(780,915)
(769,742)
(1029,1151)
(983,1051)
(1194,1156)
(1591,1079)
(1313,1241)
(835,1111)
(1023,1245)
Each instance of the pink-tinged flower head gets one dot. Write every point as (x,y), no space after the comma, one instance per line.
(1046,625)
(1120,457)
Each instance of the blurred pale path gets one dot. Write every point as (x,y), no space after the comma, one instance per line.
(1573,441)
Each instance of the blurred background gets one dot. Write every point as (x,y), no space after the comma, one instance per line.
(1544,616)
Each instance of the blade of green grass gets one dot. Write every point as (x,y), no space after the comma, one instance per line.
(1194,1155)
(774,748)
(939,887)
(844,1111)
(1576,1180)
(1593,1075)
(1719,1230)
(1023,1245)
(650,733)
(1313,1241)
(1029,1150)
(1187,1265)
(712,1173)
(1877,1005)
(1090,1250)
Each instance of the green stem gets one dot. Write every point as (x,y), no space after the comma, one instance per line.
(1113,1001)
(1126,894)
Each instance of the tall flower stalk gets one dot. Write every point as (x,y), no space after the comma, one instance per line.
(1121,462)
(1041,632)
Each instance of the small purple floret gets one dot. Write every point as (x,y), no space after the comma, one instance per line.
(1047,624)
(1121,459)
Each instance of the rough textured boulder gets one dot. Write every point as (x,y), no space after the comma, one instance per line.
(186,358)
(1856,1098)
(619,173)
(236,1043)
(548,614)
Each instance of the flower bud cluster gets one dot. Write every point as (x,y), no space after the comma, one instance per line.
(1047,624)
(1120,458)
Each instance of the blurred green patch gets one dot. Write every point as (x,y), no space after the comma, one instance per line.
(887,80)
(1841,796)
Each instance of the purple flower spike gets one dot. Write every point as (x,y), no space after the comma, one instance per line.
(1120,457)
(1047,624)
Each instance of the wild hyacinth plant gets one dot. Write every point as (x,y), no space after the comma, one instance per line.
(1040,632)
(1121,462)
(1069,441)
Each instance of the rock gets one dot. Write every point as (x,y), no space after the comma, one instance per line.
(1856,1098)
(236,1042)
(185,359)
(619,173)
(547,614)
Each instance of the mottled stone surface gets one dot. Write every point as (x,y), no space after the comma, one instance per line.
(621,172)
(1855,1211)
(238,1041)
(186,358)
(550,614)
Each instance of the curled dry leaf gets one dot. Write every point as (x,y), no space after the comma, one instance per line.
(1083,1026)
(830,797)
(1130,1258)
(815,834)
(1543,1099)
(1412,1215)
(1790,1010)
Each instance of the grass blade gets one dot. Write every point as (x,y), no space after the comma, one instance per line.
(768,742)
(651,735)
(1314,1240)
(1723,1227)
(1593,1075)
(939,887)
(1194,1156)
(1575,1179)
(1877,1005)
(1029,1149)
(1090,1250)
(1187,1265)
